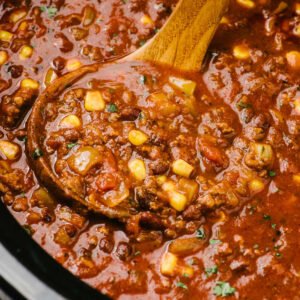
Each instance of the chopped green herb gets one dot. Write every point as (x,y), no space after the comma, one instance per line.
(25,138)
(142,43)
(32,45)
(50,10)
(27,228)
(273,226)
(267,217)
(22,195)
(71,145)
(182,285)
(191,262)
(37,153)
(115,35)
(272,173)
(137,253)
(278,254)
(143,79)
(111,91)
(185,275)
(142,116)
(201,233)
(112,108)
(214,242)
(223,289)
(210,271)
(244,105)
(156,30)
(255,246)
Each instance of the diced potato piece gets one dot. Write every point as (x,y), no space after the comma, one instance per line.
(241,52)
(165,106)
(26,52)
(147,20)
(293,59)
(186,271)
(246,3)
(50,76)
(10,150)
(67,214)
(84,159)
(94,101)
(168,264)
(3,57)
(177,200)
(137,137)
(297,8)
(186,246)
(259,156)
(280,8)
(29,84)
(296,178)
(43,198)
(114,198)
(70,121)
(138,169)
(189,187)
(5,35)
(17,15)
(256,185)
(73,64)
(182,168)
(161,179)
(89,16)
(186,86)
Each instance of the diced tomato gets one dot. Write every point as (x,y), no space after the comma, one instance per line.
(106,181)
(210,152)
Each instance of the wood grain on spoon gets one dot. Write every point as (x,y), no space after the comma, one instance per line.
(184,39)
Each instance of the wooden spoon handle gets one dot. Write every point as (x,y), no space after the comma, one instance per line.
(183,40)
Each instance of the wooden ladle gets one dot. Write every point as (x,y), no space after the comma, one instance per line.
(181,43)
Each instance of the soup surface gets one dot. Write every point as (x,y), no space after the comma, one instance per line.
(202,170)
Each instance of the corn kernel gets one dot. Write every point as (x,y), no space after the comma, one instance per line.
(161,179)
(182,168)
(73,64)
(5,35)
(17,15)
(26,52)
(296,178)
(189,187)
(94,101)
(293,59)
(138,169)
(297,8)
(186,86)
(147,20)
(186,271)
(246,3)
(23,26)
(280,8)
(241,52)
(256,185)
(3,57)
(168,264)
(224,20)
(137,137)
(177,200)
(10,150)
(70,121)
(30,84)
(297,105)
(168,186)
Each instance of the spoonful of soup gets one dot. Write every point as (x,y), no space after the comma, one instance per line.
(121,138)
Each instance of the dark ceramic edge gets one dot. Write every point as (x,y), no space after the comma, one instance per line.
(38,262)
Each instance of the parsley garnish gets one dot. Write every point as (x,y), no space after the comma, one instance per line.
(37,153)
(142,43)
(112,108)
(201,233)
(244,105)
(71,145)
(210,271)
(182,285)
(267,217)
(191,262)
(255,246)
(27,228)
(25,138)
(214,242)
(273,226)
(272,173)
(143,79)
(223,289)
(50,10)
(137,253)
